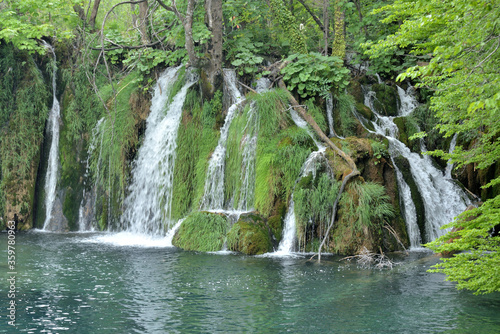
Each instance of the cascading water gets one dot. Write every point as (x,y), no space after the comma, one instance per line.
(442,198)
(329,114)
(249,152)
(53,161)
(288,241)
(148,206)
(449,166)
(213,196)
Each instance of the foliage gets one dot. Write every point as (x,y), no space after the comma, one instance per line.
(476,267)
(24,100)
(379,150)
(23,23)
(314,198)
(462,38)
(313,74)
(289,25)
(116,137)
(281,149)
(201,231)
(365,205)
(196,139)
(345,105)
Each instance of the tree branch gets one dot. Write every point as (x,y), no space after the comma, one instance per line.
(316,19)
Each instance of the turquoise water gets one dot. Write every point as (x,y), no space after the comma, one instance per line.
(80,283)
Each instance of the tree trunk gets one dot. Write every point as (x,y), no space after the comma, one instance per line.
(143,22)
(93,15)
(338,47)
(212,77)
(325,25)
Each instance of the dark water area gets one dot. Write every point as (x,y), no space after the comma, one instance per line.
(88,283)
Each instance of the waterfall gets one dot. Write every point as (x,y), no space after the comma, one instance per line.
(288,240)
(442,198)
(213,196)
(148,205)
(329,114)
(249,152)
(449,166)
(53,161)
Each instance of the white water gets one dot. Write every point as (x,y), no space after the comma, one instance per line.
(248,147)
(249,151)
(449,166)
(53,161)
(213,196)
(148,206)
(443,199)
(329,114)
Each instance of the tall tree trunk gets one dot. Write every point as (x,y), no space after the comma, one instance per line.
(93,14)
(143,22)
(213,69)
(338,47)
(357,3)
(325,25)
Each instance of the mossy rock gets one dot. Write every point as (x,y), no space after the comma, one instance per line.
(387,100)
(202,231)
(275,223)
(250,235)
(364,111)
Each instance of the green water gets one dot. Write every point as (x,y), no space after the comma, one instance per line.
(74,283)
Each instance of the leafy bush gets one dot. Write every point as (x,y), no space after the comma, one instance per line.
(313,74)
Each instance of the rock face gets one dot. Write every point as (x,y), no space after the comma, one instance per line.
(58,223)
(387,100)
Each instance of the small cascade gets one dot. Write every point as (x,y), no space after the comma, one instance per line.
(288,241)
(329,114)
(249,153)
(53,161)
(449,166)
(442,198)
(379,80)
(213,196)
(148,206)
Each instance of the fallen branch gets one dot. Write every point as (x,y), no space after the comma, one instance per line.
(367,259)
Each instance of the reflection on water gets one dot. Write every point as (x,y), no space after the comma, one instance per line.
(82,283)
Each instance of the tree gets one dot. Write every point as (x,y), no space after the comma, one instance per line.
(462,38)
(23,23)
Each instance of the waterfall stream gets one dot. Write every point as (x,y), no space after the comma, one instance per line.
(53,161)
(449,166)
(148,206)
(213,196)
(442,198)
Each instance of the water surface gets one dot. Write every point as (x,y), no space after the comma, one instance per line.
(85,283)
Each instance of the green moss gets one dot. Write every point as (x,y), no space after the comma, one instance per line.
(24,106)
(111,157)
(196,140)
(387,100)
(249,238)
(345,121)
(201,231)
